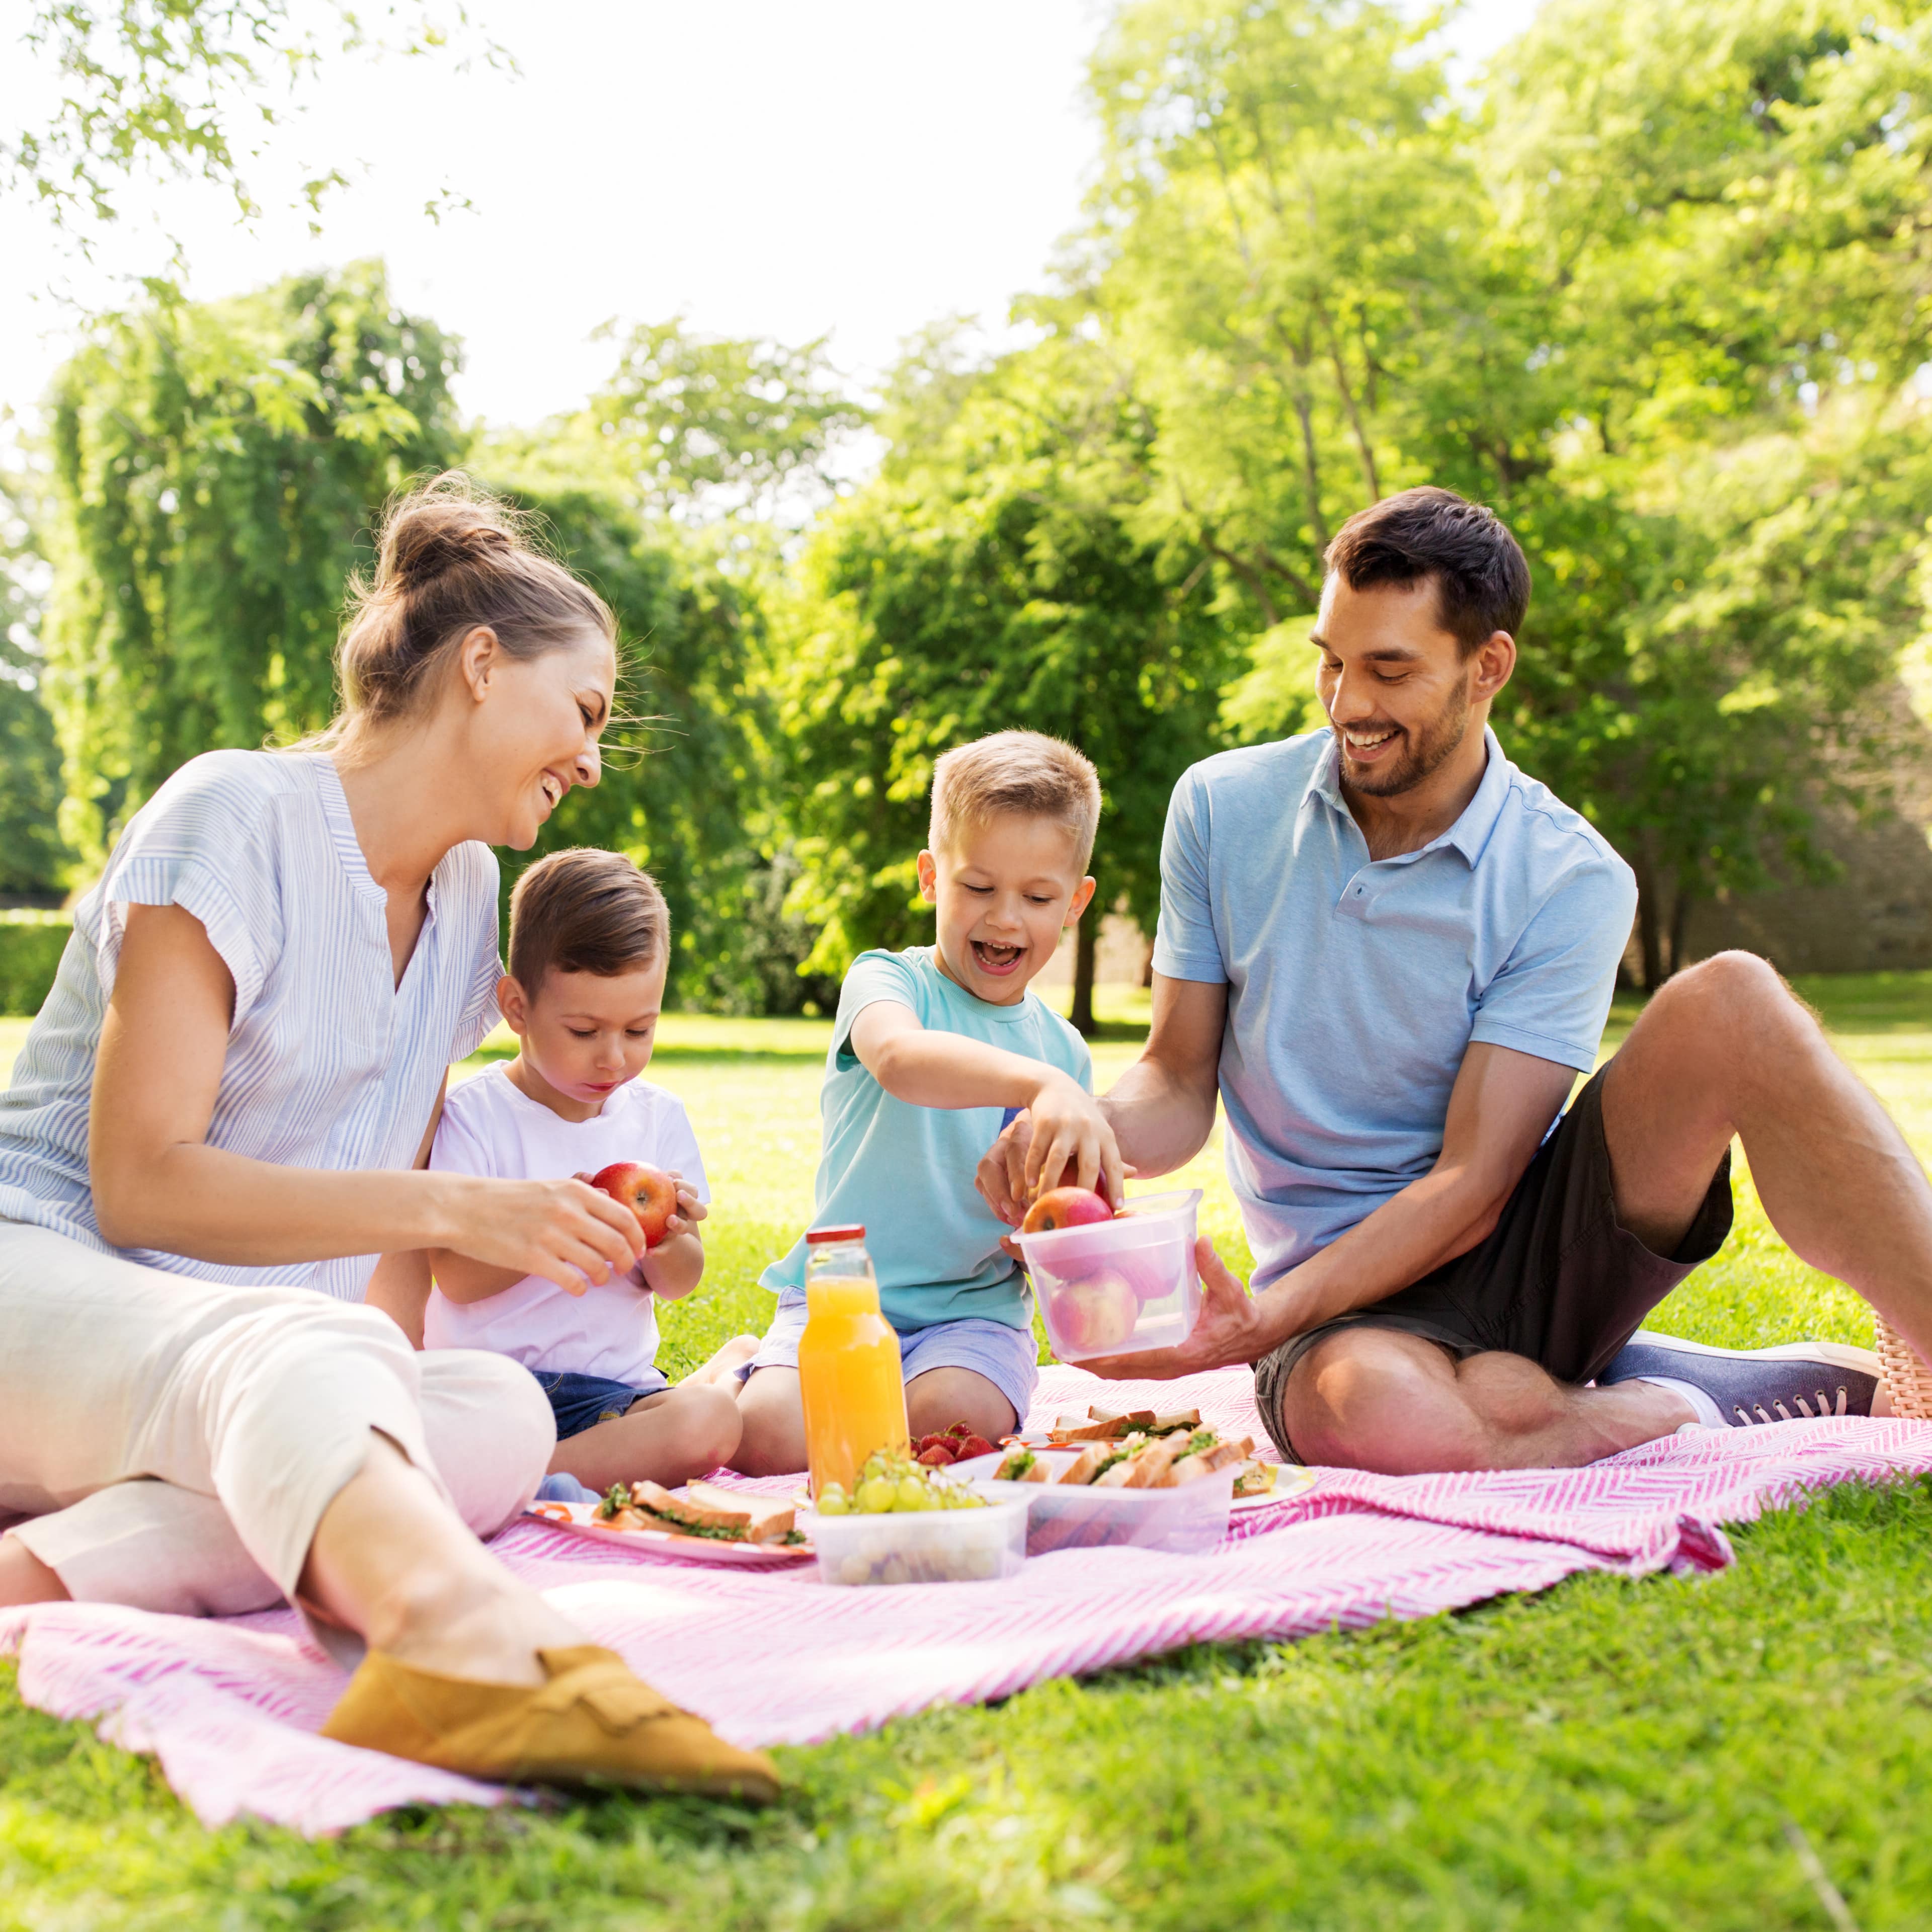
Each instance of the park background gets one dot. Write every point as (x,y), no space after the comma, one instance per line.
(903,372)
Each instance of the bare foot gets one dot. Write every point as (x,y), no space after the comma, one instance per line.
(724,1365)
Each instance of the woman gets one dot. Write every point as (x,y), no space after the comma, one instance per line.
(226,1106)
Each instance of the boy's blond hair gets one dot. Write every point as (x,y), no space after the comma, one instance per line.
(1023,772)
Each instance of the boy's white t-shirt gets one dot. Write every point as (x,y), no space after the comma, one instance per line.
(488,1127)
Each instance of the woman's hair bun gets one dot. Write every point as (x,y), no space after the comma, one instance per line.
(445,524)
(450,557)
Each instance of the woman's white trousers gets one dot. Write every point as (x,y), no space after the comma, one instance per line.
(172,1443)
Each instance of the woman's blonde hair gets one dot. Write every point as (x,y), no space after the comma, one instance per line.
(450,557)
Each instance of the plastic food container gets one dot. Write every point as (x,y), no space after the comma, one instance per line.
(1114,1288)
(955,1546)
(1188,1521)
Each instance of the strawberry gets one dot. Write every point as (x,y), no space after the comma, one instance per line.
(937,1457)
(961,1428)
(974,1445)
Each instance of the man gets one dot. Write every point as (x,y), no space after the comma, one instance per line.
(1391,952)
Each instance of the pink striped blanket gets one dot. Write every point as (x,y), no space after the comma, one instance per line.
(230,1707)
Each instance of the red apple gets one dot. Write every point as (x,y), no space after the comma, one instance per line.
(1066,1207)
(649,1194)
(1097,1315)
(1070,1176)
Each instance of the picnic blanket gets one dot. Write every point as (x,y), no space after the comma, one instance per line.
(230,1707)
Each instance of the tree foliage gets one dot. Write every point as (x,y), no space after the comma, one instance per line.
(177,87)
(992,580)
(706,426)
(216,471)
(684,762)
(1655,301)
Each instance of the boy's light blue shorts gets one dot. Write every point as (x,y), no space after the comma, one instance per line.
(1005,1356)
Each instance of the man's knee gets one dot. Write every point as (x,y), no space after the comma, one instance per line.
(1726,996)
(1377,1399)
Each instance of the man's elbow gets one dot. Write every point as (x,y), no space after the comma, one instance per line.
(1484,1198)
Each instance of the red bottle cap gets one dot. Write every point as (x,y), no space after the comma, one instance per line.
(814,1235)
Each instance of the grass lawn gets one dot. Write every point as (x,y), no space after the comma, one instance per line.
(1609,1754)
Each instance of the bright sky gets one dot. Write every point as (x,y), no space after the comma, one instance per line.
(858,167)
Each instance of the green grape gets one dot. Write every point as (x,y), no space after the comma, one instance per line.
(832,1500)
(912,1495)
(876,1496)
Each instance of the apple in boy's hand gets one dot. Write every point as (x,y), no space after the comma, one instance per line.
(1070,1176)
(1096,1315)
(1066,1207)
(649,1194)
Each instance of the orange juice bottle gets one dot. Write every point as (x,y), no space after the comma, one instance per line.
(848,1361)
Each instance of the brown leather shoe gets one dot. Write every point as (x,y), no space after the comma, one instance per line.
(594,1723)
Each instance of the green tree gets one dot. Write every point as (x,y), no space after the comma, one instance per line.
(1293,255)
(33,858)
(705,426)
(1728,201)
(179,87)
(217,470)
(990,579)
(685,764)
(1672,272)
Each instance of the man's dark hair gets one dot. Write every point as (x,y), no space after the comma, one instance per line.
(585,911)
(1481,574)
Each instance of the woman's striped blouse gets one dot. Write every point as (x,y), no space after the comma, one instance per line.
(330,1064)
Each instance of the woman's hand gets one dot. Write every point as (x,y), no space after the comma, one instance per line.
(566,1231)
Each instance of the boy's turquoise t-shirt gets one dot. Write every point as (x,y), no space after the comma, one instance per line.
(906,1172)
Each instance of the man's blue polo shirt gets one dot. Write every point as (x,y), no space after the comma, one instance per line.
(1354,987)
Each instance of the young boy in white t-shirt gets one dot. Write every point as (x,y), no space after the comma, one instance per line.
(588,944)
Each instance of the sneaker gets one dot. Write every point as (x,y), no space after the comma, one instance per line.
(1800,1380)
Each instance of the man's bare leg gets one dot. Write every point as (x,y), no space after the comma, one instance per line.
(1378,1399)
(1724,1048)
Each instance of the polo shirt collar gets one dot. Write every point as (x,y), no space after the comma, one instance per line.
(1469,835)
(1470,832)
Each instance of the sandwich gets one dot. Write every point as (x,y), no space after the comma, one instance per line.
(1139,1462)
(1022,1466)
(719,1516)
(1100,1425)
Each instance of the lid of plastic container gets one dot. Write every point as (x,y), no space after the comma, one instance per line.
(854,1233)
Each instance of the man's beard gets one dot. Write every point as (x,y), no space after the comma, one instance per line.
(1422,751)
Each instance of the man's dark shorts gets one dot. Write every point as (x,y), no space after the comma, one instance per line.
(1558,1279)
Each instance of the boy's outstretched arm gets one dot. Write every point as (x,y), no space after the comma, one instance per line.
(928,1069)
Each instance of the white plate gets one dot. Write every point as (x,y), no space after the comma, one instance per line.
(1291,1480)
(580,1520)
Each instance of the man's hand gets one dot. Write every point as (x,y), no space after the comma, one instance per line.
(1230,1329)
(1000,1177)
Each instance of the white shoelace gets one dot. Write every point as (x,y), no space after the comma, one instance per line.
(1760,1413)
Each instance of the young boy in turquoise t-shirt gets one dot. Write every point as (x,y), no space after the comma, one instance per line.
(932,1047)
